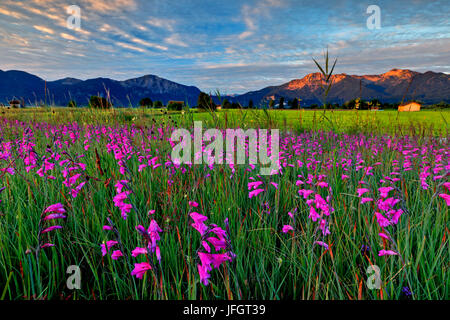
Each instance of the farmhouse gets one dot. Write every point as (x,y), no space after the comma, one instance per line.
(15,104)
(411,106)
(176,102)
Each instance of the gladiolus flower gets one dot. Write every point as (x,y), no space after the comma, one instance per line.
(254,193)
(138,251)
(384,191)
(446,197)
(361,191)
(193,204)
(47,245)
(364,200)
(383,235)
(322,244)
(387,253)
(51,229)
(287,228)
(116,255)
(140,269)
(57,208)
(54,216)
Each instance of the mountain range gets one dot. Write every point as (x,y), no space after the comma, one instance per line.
(393,86)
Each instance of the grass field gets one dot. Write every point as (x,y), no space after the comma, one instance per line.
(355,190)
(350,121)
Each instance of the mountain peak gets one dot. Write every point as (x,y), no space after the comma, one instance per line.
(399,73)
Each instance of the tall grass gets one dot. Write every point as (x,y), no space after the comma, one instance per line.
(269,263)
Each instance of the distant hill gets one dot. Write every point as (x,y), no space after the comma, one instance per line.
(392,86)
(22,85)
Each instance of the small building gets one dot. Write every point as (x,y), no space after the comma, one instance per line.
(176,102)
(15,104)
(411,106)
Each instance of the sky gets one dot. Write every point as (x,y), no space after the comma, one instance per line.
(230,46)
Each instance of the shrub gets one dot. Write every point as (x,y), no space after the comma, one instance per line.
(72,104)
(99,103)
(205,102)
(146,103)
(175,106)
(158,104)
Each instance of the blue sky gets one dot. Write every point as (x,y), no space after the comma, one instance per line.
(231,46)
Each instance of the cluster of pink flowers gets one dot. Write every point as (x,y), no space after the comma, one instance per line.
(53,212)
(212,236)
(120,198)
(151,236)
(108,246)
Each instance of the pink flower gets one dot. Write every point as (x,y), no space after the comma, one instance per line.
(322,184)
(364,200)
(384,191)
(313,214)
(151,212)
(77,189)
(217,243)
(197,217)
(109,245)
(57,208)
(193,204)
(287,228)
(382,220)
(54,216)
(361,191)
(322,244)
(396,215)
(47,245)
(305,193)
(116,255)
(275,185)
(51,229)
(446,197)
(140,269)
(204,275)
(387,253)
(383,235)
(254,185)
(254,193)
(138,251)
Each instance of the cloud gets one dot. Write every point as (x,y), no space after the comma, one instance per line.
(168,24)
(130,47)
(68,37)
(149,44)
(251,13)
(44,29)
(108,6)
(175,40)
(13,14)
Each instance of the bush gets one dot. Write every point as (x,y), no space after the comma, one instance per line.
(146,103)
(99,103)
(158,104)
(226,104)
(72,104)
(175,106)
(205,102)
